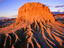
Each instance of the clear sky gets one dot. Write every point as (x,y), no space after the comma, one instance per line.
(9,8)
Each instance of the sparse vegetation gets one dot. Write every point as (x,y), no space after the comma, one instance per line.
(6,22)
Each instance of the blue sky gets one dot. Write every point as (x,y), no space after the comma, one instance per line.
(9,8)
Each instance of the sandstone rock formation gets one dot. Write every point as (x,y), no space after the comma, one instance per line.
(37,20)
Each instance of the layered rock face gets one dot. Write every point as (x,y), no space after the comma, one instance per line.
(34,12)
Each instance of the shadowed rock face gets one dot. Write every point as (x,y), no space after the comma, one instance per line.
(35,27)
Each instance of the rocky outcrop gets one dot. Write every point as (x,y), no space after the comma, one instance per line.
(38,26)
